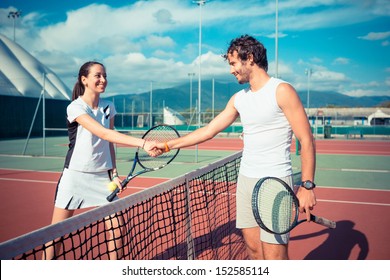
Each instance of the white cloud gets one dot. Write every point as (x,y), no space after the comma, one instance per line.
(387,81)
(114,44)
(328,76)
(373,36)
(163,16)
(325,80)
(385,43)
(273,35)
(316,60)
(164,54)
(137,45)
(373,84)
(341,60)
(213,65)
(82,29)
(133,72)
(360,92)
(154,41)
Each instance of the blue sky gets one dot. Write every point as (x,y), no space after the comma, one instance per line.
(346,43)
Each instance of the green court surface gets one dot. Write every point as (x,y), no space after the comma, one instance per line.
(11,156)
(351,171)
(333,170)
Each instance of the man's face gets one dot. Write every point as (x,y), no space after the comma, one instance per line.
(238,68)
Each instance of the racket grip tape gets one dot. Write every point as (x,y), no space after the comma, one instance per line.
(322,221)
(113,194)
(117,190)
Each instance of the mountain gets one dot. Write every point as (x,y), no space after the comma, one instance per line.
(320,99)
(178,98)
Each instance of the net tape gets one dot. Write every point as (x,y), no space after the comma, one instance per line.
(188,217)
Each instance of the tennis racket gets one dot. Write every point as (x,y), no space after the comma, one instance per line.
(159,133)
(275,207)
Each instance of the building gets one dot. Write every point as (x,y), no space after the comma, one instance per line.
(25,84)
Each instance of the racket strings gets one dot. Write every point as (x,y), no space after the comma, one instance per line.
(159,134)
(276,207)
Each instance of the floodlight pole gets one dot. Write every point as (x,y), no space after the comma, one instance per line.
(132,114)
(151,105)
(308,72)
(191,75)
(212,98)
(44,115)
(200,3)
(14,15)
(276,39)
(41,96)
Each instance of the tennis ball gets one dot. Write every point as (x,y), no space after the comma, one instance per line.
(112,186)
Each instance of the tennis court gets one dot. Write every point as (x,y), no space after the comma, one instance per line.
(352,178)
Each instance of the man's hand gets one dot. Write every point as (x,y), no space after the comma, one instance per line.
(307,201)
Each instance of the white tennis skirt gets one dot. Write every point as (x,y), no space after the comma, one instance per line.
(76,190)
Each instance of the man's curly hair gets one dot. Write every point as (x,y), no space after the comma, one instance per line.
(246,45)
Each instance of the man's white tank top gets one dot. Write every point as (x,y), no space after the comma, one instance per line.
(267,133)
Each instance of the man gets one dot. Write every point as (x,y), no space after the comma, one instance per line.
(270,111)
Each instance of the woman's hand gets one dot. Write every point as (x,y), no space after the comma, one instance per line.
(152,149)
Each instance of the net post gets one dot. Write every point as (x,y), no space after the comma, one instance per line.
(229,206)
(43,116)
(189,239)
(32,124)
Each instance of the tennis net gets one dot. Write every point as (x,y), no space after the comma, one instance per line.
(188,217)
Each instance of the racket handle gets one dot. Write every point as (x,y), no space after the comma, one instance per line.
(322,221)
(117,190)
(113,194)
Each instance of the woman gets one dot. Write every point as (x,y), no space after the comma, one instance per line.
(90,162)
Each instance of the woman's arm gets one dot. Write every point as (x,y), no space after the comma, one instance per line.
(114,136)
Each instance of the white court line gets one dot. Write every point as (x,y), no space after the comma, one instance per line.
(365,170)
(355,170)
(138,188)
(354,202)
(30,170)
(29,181)
(142,188)
(353,189)
(54,182)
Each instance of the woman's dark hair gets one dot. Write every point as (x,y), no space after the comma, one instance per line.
(78,89)
(246,45)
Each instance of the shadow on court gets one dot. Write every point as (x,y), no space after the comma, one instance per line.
(225,242)
(339,243)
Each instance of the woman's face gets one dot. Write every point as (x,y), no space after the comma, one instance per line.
(96,80)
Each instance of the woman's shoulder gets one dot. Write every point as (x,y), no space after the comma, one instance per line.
(104,102)
(77,101)
(77,106)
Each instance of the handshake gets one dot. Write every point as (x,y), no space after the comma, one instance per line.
(157,140)
(154,148)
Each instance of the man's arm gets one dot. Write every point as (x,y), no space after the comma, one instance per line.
(292,107)
(219,123)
